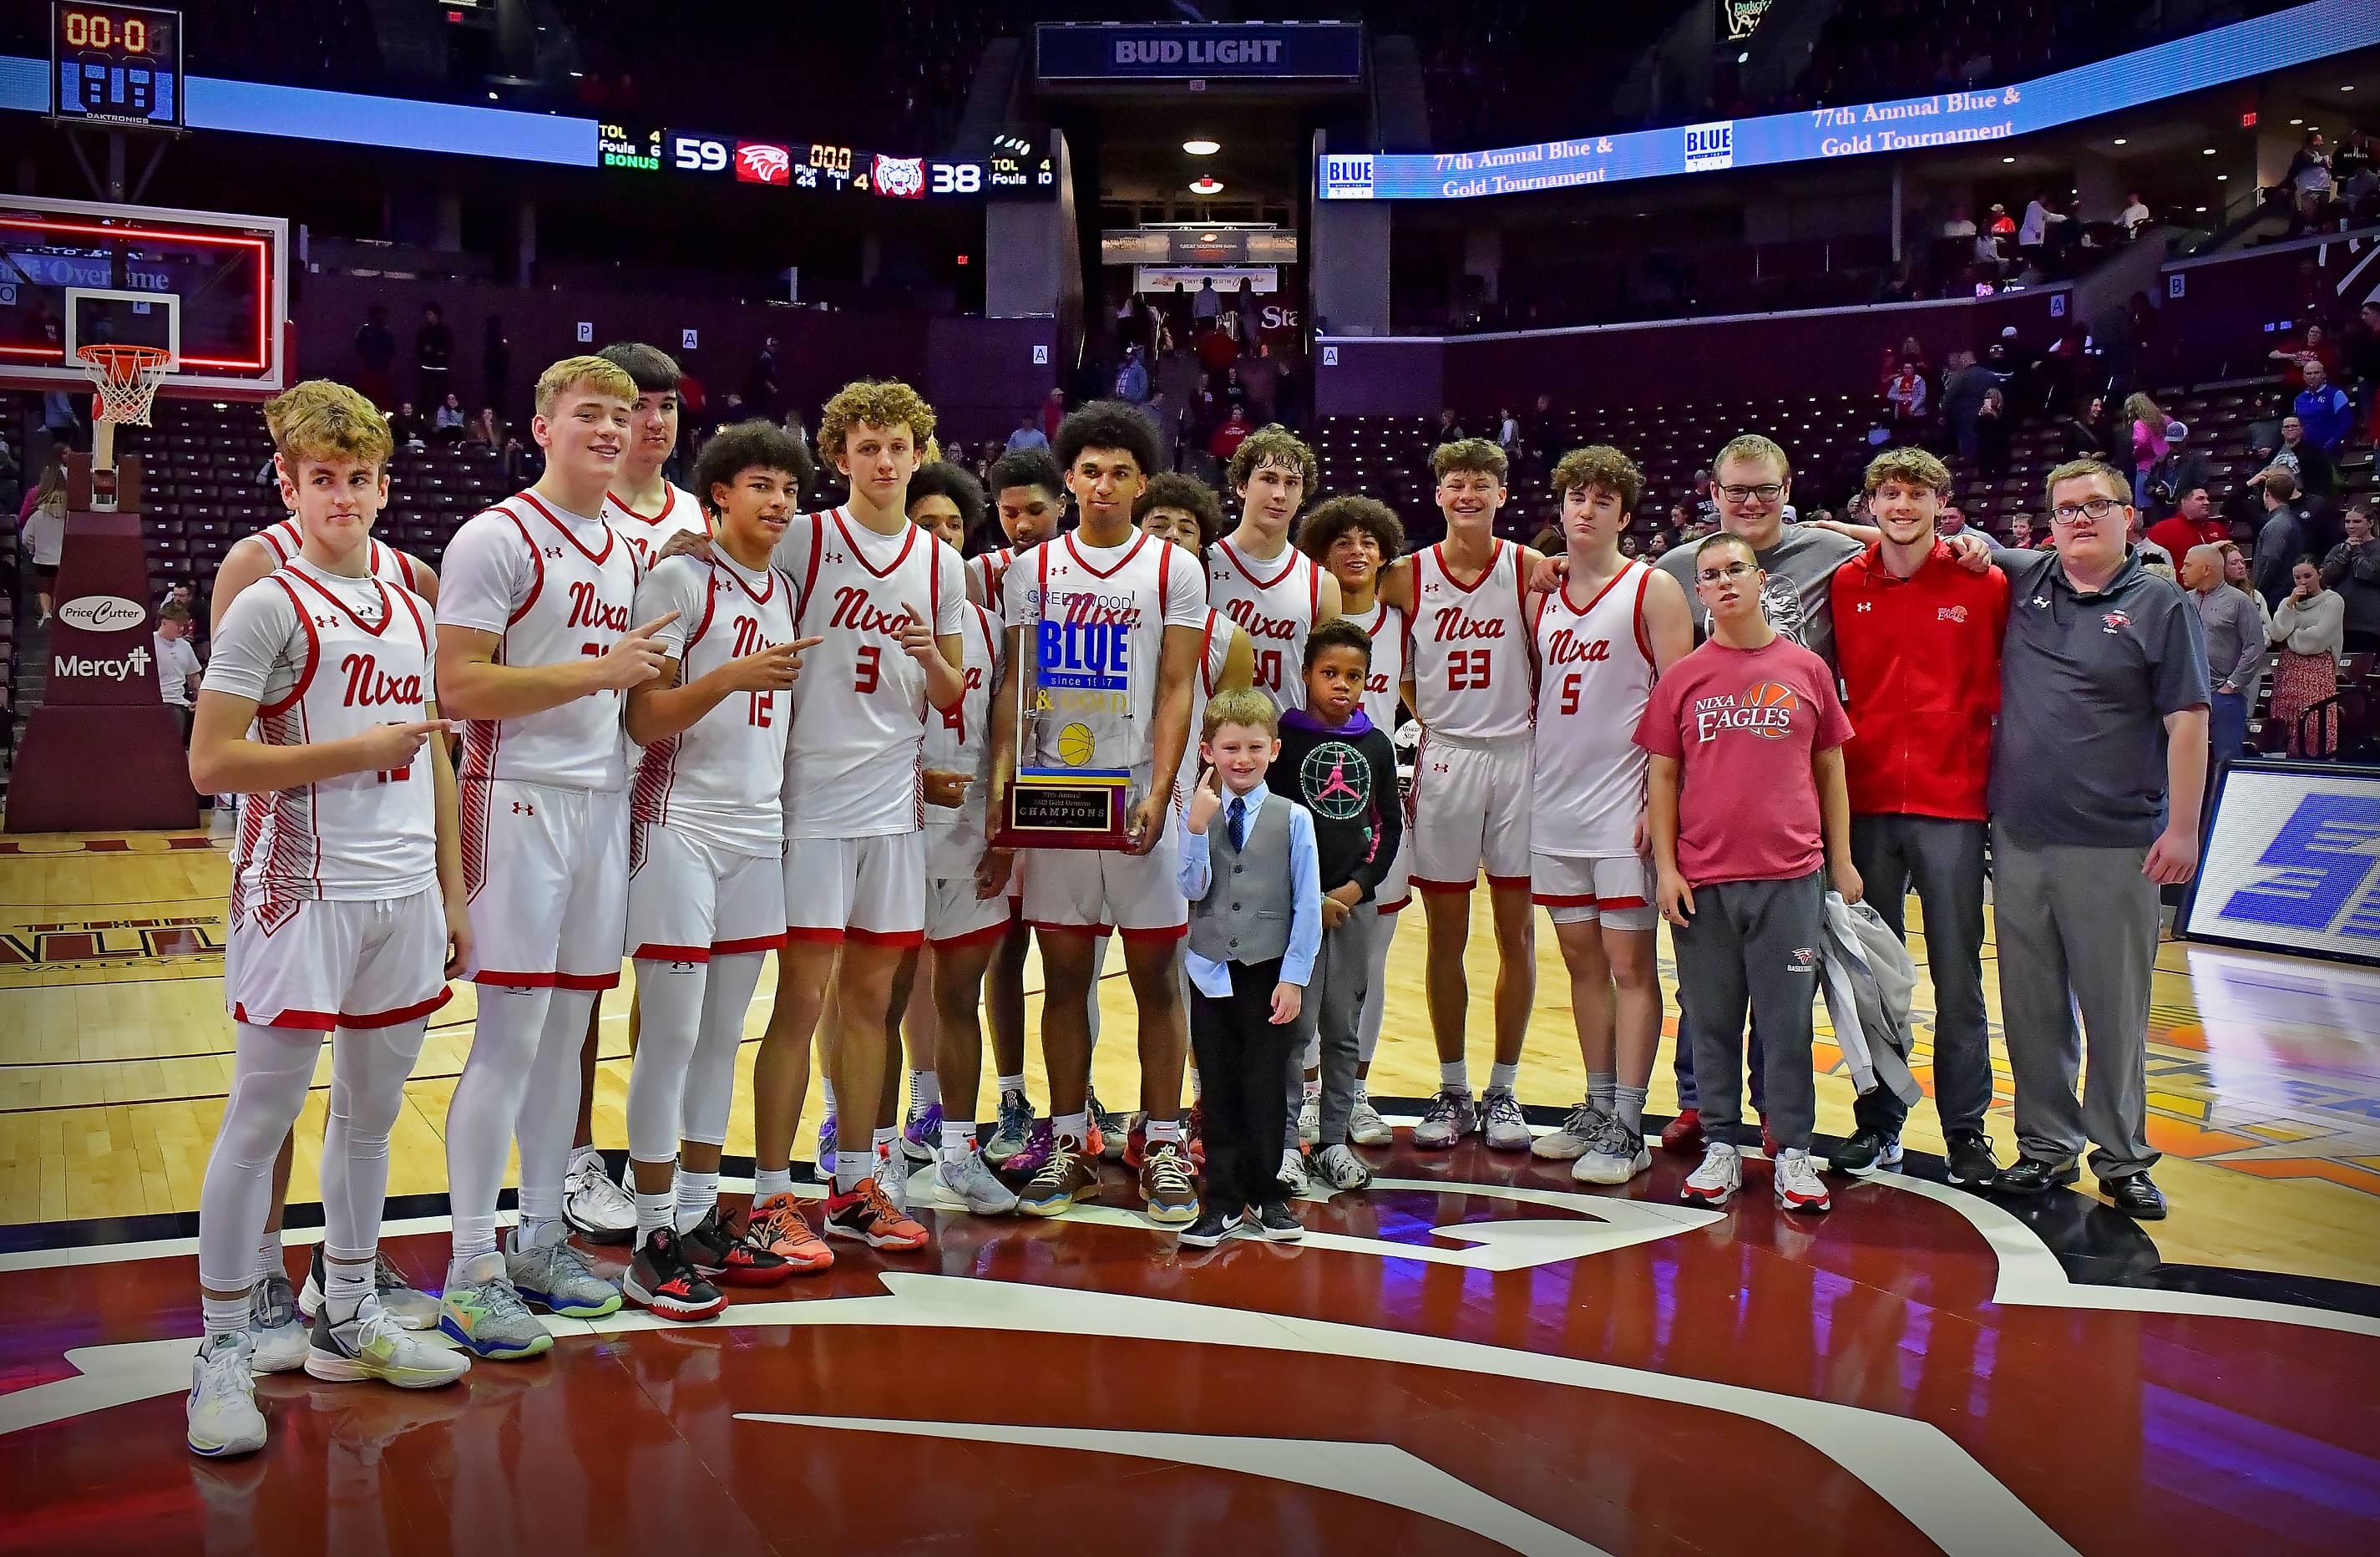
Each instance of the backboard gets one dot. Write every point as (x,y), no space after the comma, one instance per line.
(212,288)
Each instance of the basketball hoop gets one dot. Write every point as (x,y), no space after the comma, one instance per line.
(127,378)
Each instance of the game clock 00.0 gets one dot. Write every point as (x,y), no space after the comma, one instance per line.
(116,64)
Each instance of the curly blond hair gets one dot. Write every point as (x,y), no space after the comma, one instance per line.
(876,403)
(1277,445)
(322,420)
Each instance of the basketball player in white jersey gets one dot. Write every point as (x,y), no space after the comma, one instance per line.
(1117,616)
(645,510)
(1355,538)
(347,910)
(249,560)
(1469,679)
(1028,497)
(1274,592)
(706,884)
(887,599)
(1601,638)
(536,650)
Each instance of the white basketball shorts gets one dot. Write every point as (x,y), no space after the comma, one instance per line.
(1470,809)
(323,965)
(690,901)
(1100,890)
(1615,890)
(548,873)
(868,890)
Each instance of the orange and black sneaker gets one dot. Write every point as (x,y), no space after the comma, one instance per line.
(724,1254)
(777,1225)
(1193,1134)
(1071,1173)
(868,1215)
(662,1279)
(1166,1184)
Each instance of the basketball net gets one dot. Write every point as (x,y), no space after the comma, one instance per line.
(127,378)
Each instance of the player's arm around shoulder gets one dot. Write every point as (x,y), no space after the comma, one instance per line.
(1669,620)
(1239,663)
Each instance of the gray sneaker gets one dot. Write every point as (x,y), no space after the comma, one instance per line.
(1579,1128)
(482,1313)
(1507,1126)
(1451,1116)
(1292,1177)
(276,1332)
(1616,1155)
(1343,1168)
(1014,1129)
(1364,1126)
(557,1278)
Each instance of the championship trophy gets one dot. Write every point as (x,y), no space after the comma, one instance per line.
(1074,688)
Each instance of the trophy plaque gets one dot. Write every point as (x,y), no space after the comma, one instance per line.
(1073,693)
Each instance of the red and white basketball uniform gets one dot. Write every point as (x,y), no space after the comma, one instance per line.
(1099,614)
(1468,653)
(336,918)
(388,565)
(984,572)
(544,797)
(647,533)
(706,834)
(1383,692)
(855,863)
(958,740)
(1214,652)
(1594,676)
(1275,604)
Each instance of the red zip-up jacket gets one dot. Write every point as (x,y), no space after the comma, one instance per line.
(1920,660)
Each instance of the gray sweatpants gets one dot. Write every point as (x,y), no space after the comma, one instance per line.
(1943,861)
(1332,1016)
(2078,929)
(1764,943)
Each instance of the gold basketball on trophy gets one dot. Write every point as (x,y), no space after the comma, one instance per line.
(1076,745)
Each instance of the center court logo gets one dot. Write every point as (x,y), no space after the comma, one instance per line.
(1710,146)
(757,161)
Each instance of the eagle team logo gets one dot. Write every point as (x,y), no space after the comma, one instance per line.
(901,177)
(1764,710)
(758,162)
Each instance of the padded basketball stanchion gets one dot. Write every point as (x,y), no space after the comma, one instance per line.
(103,752)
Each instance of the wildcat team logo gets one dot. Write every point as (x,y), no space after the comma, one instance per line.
(901,177)
(758,162)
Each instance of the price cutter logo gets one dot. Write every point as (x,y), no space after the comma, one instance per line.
(757,161)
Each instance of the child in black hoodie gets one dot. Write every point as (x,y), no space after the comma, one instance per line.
(1343,768)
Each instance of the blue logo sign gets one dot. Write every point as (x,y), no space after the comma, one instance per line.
(2319,866)
(1085,656)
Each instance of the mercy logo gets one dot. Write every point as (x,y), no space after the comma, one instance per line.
(2317,870)
(132,664)
(1710,146)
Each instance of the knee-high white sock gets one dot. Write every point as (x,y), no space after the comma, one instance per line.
(549,1112)
(709,1097)
(487,1100)
(271,1070)
(368,1067)
(697,1193)
(669,1025)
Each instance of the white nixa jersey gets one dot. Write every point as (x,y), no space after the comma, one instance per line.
(1214,651)
(1467,649)
(1099,614)
(647,533)
(388,565)
(1383,688)
(985,571)
(325,659)
(721,779)
(553,585)
(1594,676)
(958,740)
(852,764)
(1275,604)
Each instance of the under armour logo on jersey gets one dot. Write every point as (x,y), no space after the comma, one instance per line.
(835,559)
(1867,605)
(1430,589)
(554,551)
(326,621)
(523,808)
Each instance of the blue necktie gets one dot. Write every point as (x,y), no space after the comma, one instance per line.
(1239,819)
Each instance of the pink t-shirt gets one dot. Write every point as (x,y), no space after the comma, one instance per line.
(1741,726)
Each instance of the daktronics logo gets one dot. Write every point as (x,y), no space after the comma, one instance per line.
(1710,146)
(102,613)
(757,161)
(71,666)
(1347,177)
(901,177)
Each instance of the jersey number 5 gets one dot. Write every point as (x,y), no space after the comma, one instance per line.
(1468,667)
(1570,693)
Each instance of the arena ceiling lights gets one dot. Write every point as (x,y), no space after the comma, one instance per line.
(1200,146)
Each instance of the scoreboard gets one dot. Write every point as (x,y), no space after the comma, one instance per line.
(1016,167)
(115,65)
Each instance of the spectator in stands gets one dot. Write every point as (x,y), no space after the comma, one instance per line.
(2086,430)
(2002,223)
(496,367)
(1904,394)
(1951,520)
(375,355)
(2235,652)
(2148,441)
(2352,570)
(42,529)
(2361,359)
(1507,432)
(433,349)
(446,422)
(2309,170)
(1027,436)
(516,464)
(1681,523)
(2235,573)
(1962,400)
(2315,347)
(1546,434)
(2281,540)
(2309,628)
(1228,437)
(2135,216)
(1992,432)
(2021,533)
(1216,347)
(2181,469)
(2154,557)
(405,427)
(2323,407)
(1209,304)
(1053,411)
(1960,224)
(484,432)
(1131,379)
(2032,236)
(178,663)
(2191,523)
(760,384)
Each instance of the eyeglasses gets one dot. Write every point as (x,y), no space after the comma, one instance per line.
(1733,570)
(2096,508)
(1767,492)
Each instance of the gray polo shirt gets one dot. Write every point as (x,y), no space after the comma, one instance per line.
(1800,597)
(2234,629)
(2086,682)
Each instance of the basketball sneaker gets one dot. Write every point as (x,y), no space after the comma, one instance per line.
(1365,1126)
(1292,1177)
(594,1205)
(921,1133)
(721,1253)
(1275,1224)
(826,1145)
(374,1345)
(414,1310)
(221,1417)
(1211,1229)
(557,1278)
(1014,1129)
(1576,1137)
(1166,1186)
(1616,1155)
(1193,1134)
(777,1225)
(1799,1187)
(1684,1133)
(1071,1173)
(1717,1180)
(276,1335)
(664,1279)
(1866,1152)
(867,1216)
(1969,1161)
(967,1184)
(1040,1141)
(1507,1126)
(1449,1116)
(1342,1168)
(892,1171)
(1310,1120)
(1106,1128)
(484,1314)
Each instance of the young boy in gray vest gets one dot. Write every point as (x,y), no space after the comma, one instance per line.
(1249,869)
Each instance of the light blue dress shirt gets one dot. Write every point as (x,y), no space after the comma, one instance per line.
(1192,874)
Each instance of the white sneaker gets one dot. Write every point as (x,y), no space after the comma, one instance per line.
(1310,1119)
(276,1335)
(1799,1187)
(1507,1126)
(1717,1180)
(967,1184)
(1616,1155)
(221,1413)
(1365,1126)
(1451,1116)
(1578,1131)
(1293,1172)
(893,1174)
(374,1345)
(596,1208)
(1343,1168)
